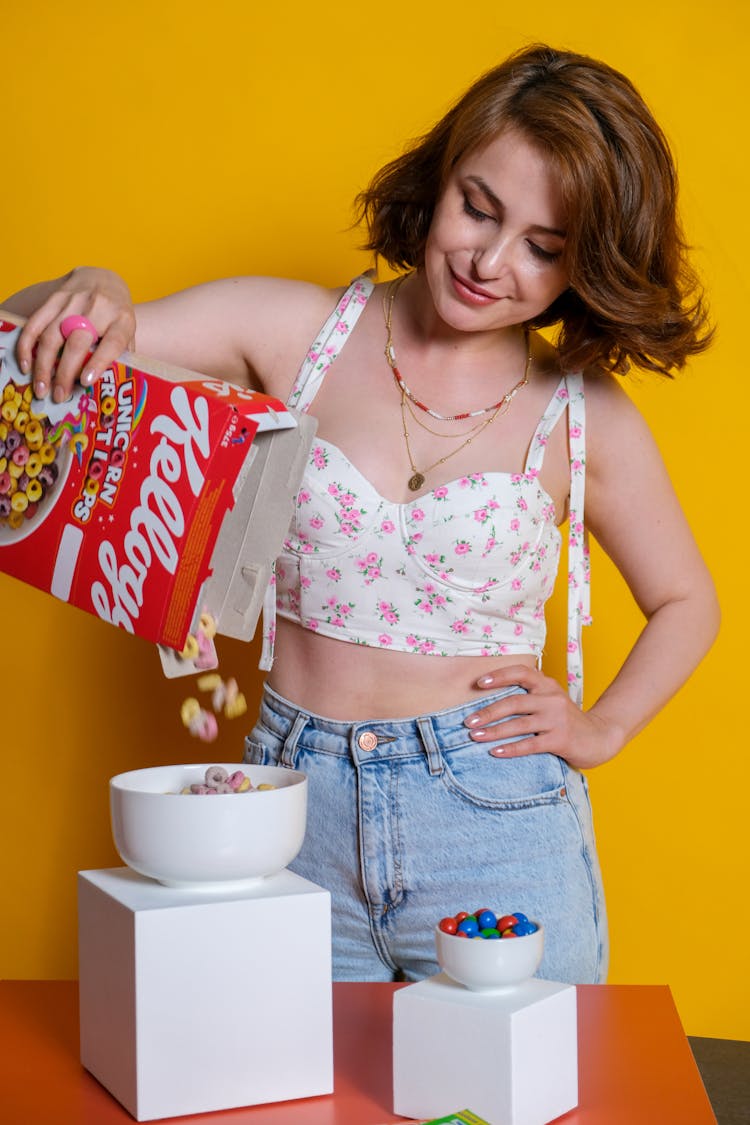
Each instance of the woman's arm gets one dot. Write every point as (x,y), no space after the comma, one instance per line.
(248,330)
(634,513)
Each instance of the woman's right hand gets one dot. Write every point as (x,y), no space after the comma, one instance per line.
(97,294)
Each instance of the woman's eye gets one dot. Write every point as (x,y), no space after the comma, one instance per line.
(542,254)
(474,212)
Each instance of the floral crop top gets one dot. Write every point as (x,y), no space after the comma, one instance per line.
(463,570)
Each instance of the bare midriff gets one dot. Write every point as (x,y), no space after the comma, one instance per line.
(353,682)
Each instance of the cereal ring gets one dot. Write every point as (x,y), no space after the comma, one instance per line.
(34,434)
(15,469)
(216,775)
(235,708)
(4,483)
(47,453)
(191,650)
(8,411)
(34,465)
(189,711)
(15,520)
(208,682)
(205,727)
(5,507)
(12,441)
(9,392)
(91,487)
(34,490)
(48,474)
(20,502)
(206,657)
(96,469)
(21,421)
(117,459)
(207,625)
(21,455)
(108,405)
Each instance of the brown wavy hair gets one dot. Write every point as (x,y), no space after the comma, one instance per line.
(634,297)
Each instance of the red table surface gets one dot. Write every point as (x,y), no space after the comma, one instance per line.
(635,1064)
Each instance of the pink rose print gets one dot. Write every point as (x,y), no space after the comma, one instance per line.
(463,547)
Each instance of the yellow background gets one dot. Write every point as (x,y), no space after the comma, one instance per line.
(180,141)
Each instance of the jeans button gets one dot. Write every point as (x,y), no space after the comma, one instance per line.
(368,740)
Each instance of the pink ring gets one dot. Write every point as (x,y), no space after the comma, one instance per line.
(73,323)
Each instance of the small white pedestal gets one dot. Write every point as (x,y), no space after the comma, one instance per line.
(510,1057)
(194,1001)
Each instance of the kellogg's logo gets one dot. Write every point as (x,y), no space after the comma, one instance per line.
(157,521)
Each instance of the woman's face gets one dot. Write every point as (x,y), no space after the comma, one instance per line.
(493,256)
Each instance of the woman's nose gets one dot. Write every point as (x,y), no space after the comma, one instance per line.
(493,258)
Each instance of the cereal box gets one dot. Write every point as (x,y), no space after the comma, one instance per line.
(149,498)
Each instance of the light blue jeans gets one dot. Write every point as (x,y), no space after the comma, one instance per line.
(410,820)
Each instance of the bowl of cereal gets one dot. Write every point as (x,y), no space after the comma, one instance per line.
(38,441)
(208,827)
(491,958)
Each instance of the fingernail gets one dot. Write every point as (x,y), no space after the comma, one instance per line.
(497,751)
(485,681)
(477,733)
(24,365)
(472,721)
(87,378)
(40,389)
(59,395)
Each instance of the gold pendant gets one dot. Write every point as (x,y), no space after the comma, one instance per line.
(416,482)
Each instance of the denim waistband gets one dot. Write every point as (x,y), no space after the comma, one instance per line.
(282,717)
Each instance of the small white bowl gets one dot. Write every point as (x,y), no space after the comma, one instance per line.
(221,841)
(486,964)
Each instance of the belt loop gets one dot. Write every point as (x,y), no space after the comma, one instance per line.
(429,741)
(289,753)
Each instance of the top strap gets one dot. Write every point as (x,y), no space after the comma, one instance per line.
(329,342)
(579,561)
(557,405)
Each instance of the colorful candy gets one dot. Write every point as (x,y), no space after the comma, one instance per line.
(486,924)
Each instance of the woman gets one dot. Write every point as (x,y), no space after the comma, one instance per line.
(452,442)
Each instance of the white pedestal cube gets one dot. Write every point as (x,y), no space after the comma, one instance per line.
(194,1001)
(511,1057)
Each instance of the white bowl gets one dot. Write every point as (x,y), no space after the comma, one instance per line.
(219,841)
(489,965)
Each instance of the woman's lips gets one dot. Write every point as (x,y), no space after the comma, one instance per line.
(471,293)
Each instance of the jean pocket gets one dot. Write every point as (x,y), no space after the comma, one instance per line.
(496,783)
(257,753)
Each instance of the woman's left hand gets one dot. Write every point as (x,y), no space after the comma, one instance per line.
(545,716)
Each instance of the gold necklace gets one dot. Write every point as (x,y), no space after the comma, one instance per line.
(416,480)
(390,355)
